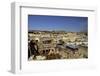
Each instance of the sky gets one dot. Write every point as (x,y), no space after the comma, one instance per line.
(57,23)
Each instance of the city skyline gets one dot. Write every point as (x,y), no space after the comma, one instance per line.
(57,23)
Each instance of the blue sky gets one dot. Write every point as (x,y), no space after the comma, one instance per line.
(59,23)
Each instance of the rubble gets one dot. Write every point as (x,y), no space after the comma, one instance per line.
(58,45)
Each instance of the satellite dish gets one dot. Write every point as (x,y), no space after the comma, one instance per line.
(37,39)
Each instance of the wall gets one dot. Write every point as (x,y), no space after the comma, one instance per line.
(5,33)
